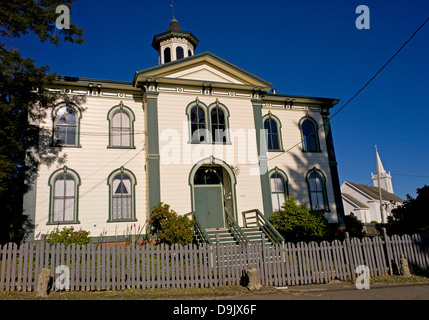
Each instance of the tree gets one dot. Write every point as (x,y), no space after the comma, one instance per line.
(24,100)
(354,226)
(296,223)
(410,217)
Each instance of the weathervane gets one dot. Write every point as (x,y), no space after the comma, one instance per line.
(172,6)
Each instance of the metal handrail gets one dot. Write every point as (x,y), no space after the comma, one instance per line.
(200,231)
(235,229)
(264,225)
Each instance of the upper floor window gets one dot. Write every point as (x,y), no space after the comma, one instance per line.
(219,115)
(64,185)
(121,127)
(198,123)
(208,124)
(316,182)
(66,119)
(279,188)
(273,137)
(309,134)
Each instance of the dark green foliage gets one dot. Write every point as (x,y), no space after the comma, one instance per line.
(170,227)
(24,97)
(354,226)
(19,17)
(296,223)
(411,217)
(68,236)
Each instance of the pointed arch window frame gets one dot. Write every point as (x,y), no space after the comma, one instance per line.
(133,180)
(280,172)
(54,115)
(316,134)
(324,189)
(208,122)
(123,108)
(277,121)
(51,183)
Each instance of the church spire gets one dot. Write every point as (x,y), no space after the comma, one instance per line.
(382,175)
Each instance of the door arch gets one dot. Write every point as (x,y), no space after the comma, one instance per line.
(212,183)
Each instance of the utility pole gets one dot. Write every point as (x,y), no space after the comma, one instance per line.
(379,188)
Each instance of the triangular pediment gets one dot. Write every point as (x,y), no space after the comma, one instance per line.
(205,67)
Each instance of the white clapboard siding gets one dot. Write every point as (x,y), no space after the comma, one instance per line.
(94,162)
(175,188)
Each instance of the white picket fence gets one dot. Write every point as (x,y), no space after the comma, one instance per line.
(105,267)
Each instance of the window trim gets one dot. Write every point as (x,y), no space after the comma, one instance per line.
(279,130)
(51,184)
(133,194)
(188,110)
(55,110)
(316,130)
(225,110)
(285,179)
(208,122)
(325,193)
(132,118)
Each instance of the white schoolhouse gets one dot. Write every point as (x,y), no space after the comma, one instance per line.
(195,132)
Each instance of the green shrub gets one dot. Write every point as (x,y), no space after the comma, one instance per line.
(296,223)
(169,227)
(68,236)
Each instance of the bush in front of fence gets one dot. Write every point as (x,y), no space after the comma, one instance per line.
(296,223)
(68,236)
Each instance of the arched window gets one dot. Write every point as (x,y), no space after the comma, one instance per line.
(316,182)
(279,188)
(122,195)
(309,133)
(196,112)
(207,175)
(66,125)
(121,127)
(179,53)
(167,55)
(273,137)
(189,53)
(64,185)
(219,115)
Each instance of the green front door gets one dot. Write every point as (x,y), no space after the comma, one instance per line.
(209,207)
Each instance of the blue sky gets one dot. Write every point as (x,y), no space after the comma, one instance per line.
(308,48)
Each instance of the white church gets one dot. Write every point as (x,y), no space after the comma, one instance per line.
(363,201)
(195,132)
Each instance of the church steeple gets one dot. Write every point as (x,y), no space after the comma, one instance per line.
(174,44)
(385,178)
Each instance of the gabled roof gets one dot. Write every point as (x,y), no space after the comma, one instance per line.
(354,201)
(167,72)
(372,192)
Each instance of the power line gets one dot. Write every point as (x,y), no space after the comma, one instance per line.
(361,89)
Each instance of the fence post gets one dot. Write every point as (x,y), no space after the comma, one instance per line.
(388,249)
(349,256)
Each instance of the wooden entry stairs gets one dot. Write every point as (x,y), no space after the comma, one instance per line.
(255,227)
